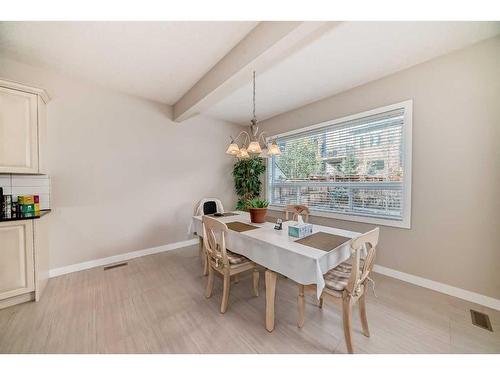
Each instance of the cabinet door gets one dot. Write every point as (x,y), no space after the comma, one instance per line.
(16,258)
(18,132)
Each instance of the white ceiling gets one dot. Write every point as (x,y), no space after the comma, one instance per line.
(161,61)
(155,60)
(350,55)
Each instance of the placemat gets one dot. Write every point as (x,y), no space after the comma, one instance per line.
(225,214)
(323,241)
(240,227)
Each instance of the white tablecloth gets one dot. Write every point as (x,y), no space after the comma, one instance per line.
(278,252)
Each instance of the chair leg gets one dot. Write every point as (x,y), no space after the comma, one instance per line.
(320,303)
(225,293)
(255,282)
(210,282)
(362,315)
(302,306)
(206,266)
(346,317)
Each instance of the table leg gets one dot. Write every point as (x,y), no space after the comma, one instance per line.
(200,248)
(302,306)
(203,256)
(271,278)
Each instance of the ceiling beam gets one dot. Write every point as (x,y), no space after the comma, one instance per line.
(265,45)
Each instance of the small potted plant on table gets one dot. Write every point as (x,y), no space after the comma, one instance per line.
(258,210)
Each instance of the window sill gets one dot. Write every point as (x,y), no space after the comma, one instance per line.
(405,224)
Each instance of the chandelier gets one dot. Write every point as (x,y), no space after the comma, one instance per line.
(251,141)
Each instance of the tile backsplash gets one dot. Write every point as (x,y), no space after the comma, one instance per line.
(16,184)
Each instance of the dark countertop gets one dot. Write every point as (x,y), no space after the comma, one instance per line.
(25,216)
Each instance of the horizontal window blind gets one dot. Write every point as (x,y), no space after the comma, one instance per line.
(354,167)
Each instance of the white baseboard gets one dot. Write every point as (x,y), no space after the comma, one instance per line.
(119,258)
(440,287)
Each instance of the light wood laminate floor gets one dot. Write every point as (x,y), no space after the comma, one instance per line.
(156,304)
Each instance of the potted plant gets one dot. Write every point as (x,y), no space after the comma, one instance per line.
(258,210)
(247,175)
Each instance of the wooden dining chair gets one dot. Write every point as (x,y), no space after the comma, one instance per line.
(295,210)
(347,283)
(223,261)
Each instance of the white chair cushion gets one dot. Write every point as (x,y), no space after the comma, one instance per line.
(236,258)
(338,277)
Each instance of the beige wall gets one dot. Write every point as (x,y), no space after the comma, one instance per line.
(124,176)
(455,232)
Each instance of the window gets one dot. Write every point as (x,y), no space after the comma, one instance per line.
(355,168)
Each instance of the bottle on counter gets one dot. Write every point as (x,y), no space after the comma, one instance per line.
(7,205)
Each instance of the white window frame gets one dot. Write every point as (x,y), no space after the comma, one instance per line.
(405,222)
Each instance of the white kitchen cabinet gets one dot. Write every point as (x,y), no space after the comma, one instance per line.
(17,262)
(24,260)
(22,128)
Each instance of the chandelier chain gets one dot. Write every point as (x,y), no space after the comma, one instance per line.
(254,117)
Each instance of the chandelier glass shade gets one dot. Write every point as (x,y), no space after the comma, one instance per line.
(243,154)
(233,149)
(254,148)
(274,149)
(252,142)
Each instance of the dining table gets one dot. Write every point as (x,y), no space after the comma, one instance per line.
(282,254)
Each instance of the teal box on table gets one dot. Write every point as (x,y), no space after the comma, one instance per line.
(300,230)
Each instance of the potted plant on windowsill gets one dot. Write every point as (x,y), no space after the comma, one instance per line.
(258,210)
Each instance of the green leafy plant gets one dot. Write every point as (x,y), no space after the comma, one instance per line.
(300,159)
(257,203)
(247,180)
(349,166)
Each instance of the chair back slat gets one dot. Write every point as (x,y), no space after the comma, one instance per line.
(369,261)
(368,241)
(214,240)
(295,210)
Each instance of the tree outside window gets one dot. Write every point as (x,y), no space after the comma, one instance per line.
(300,160)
